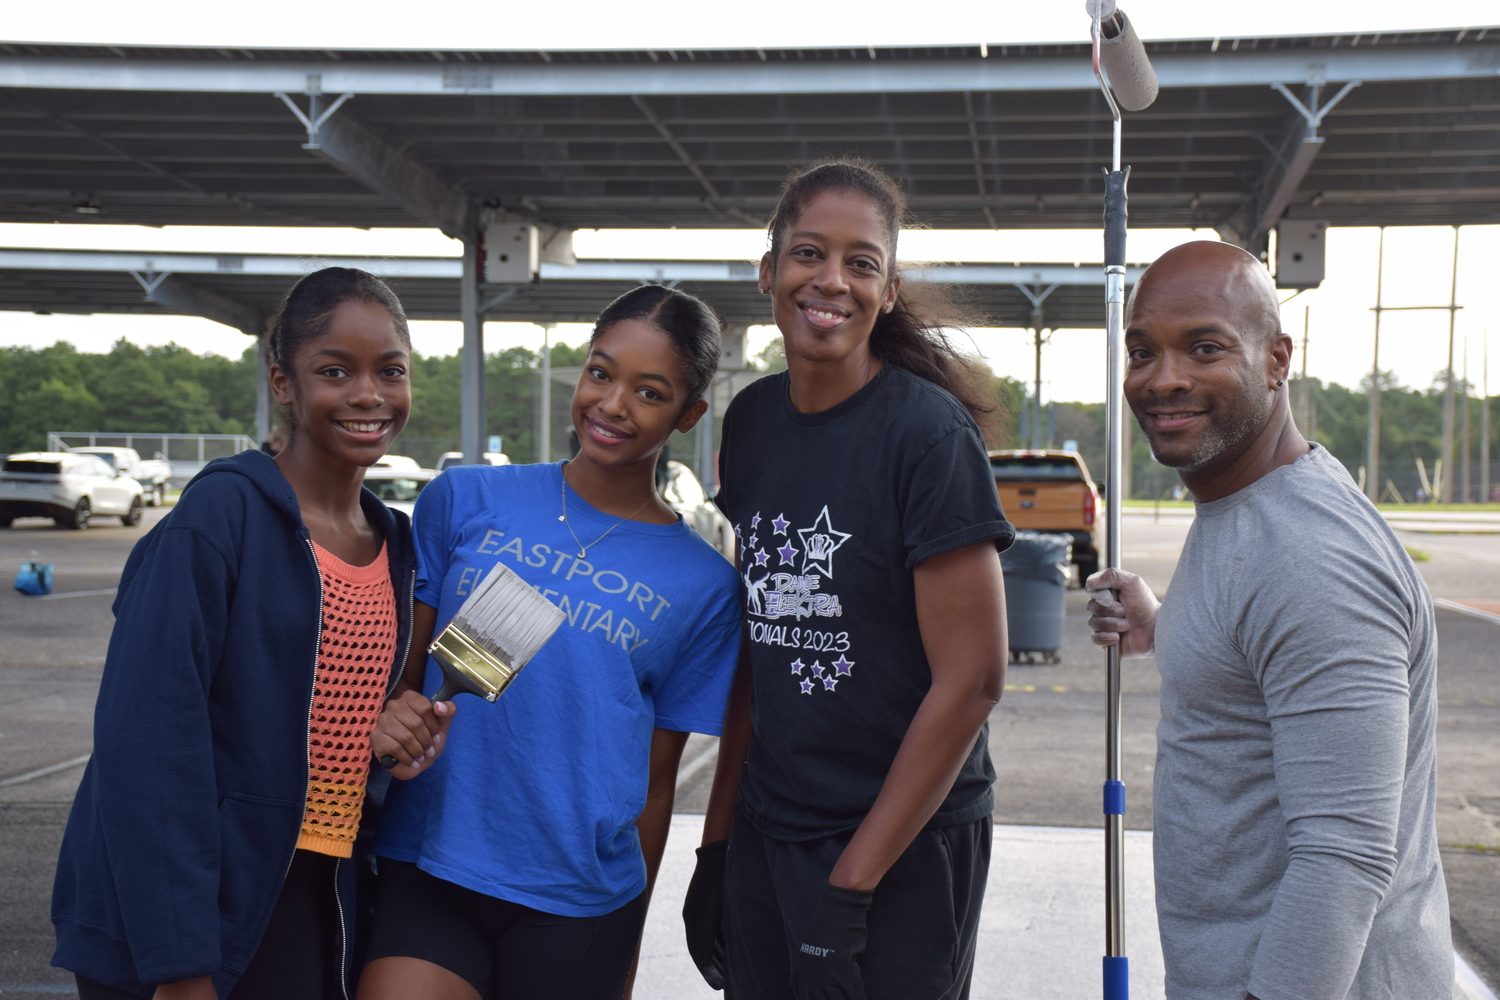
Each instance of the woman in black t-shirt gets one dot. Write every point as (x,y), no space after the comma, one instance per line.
(847,840)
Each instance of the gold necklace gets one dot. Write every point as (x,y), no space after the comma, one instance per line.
(583,549)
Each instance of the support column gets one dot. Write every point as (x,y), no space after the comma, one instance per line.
(1037,437)
(471,399)
(1446,489)
(544,427)
(264,412)
(706,439)
(1372,444)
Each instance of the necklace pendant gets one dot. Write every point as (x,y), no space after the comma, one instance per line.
(562,517)
(582,553)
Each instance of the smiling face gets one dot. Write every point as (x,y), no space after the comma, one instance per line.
(830,278)
(631,396)
(1205,351)
(349,390)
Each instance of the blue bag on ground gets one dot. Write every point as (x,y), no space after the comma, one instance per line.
(34,578)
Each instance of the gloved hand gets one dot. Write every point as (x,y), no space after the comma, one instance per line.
(826,964)
(703,913)
(1123,610)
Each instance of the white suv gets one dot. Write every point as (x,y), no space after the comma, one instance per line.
(68,488)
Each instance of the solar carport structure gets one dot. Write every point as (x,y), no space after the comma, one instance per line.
(1355,130)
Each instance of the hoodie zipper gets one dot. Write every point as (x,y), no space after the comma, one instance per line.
(343,933)
(398,668)
(312,694)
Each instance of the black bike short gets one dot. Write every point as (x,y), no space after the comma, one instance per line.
(923,925)
(504,950)
(294,958)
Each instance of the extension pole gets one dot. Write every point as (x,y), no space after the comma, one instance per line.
(1116,965)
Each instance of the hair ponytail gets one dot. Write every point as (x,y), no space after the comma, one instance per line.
(913,335)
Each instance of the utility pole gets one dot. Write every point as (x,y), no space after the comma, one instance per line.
(1372,448)
(1448,403)
(1484,429)
(1467,444)
(1304,398)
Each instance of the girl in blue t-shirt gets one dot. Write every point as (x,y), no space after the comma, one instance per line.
(519,861)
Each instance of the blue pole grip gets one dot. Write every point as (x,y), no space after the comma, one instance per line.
(1116,978)
(1114,798)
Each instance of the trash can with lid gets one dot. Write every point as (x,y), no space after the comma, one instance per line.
(1037,567)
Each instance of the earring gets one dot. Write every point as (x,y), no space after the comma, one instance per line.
(1280,383)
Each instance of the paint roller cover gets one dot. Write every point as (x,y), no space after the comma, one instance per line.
(1130,74)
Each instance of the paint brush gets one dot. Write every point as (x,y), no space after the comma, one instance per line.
(497,630)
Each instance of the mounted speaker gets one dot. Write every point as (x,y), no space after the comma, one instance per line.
(1300,245)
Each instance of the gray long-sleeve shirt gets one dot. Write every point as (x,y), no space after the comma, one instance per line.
(1295,788)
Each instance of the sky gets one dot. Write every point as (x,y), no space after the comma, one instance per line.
(1337,317)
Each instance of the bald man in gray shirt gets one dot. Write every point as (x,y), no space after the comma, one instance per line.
(1295,786)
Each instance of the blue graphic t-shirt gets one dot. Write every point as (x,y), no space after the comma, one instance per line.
(535,796)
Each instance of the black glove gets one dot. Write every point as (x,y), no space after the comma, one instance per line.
(826,963)
(703,913)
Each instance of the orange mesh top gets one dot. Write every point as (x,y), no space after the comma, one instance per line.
(354,664)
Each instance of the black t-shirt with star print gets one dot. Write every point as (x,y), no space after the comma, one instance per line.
(832,511)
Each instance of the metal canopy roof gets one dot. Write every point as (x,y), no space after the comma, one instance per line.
(1009,136)
(242,289)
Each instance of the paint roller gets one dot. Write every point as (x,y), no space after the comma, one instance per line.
(1123,57)
(1119,56)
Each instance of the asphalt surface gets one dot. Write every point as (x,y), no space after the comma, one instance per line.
(1046,735)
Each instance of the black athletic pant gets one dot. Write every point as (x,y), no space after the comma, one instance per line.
(504,950)
(923,925)
(292,961)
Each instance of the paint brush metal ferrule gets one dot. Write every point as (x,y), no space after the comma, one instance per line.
(486,673)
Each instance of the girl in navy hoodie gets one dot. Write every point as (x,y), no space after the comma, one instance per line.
(205,855)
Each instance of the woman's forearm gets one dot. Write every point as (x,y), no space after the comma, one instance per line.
(960,599)
(937,743)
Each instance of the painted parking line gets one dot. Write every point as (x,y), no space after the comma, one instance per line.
(76,593)
(42,772)
(1467,609)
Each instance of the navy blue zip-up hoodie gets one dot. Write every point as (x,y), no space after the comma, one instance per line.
(189,811)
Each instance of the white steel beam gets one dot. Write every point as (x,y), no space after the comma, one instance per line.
(1063,72)
(450,268)
(357,150)
(181,296)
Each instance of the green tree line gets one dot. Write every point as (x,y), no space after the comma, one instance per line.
(173,390)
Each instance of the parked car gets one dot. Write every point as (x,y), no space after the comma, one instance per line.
(399,488)
(449,459)
(684,494)
(396,462)
(152,474)
(1051,491)
(69,488)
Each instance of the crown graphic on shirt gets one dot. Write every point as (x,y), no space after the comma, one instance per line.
(819,546)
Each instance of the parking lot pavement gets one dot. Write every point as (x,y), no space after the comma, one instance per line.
(1046,738)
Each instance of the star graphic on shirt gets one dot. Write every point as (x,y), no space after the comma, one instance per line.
(788,554)
(807,687)
(761,558)
(819,543)
(736,532)
(829,684)
(843,667)
(817,668)
(755,521)
(754,541)
(780,524)
(798,666)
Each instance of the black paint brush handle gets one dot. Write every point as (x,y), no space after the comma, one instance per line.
(450,689)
